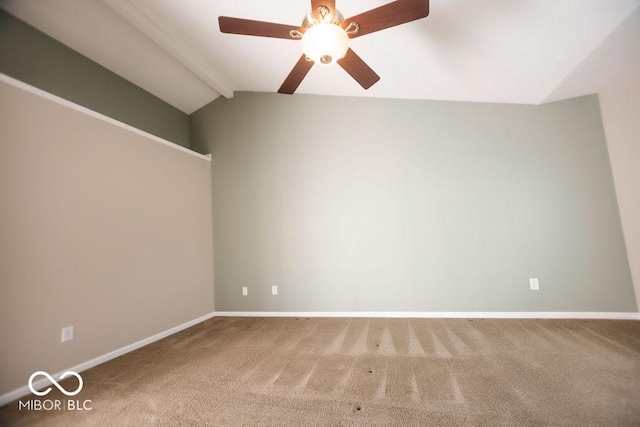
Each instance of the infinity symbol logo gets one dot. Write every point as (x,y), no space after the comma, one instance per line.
(55,383)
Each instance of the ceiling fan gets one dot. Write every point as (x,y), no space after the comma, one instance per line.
(324,36)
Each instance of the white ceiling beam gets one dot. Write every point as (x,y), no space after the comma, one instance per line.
(182,53)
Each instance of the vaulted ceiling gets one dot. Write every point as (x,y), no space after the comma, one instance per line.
(526,51)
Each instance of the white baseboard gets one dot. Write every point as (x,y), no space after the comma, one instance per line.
(23,391)
(440,314)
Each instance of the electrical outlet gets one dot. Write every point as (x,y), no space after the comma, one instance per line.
(534,285)
(67,334)
(274,290)
(245,291)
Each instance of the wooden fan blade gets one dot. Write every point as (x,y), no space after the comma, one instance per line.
(329,4)
(389,15)
(358,69)
(296,76)
(257,28)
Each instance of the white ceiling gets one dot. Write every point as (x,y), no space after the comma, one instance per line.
(618,52)
(525,51)
(92,28)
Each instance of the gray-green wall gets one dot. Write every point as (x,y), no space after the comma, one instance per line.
(33,57)
(353,204)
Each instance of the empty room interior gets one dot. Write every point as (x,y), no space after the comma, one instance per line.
(319,212)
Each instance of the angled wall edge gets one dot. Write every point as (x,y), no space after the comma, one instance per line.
(61,101)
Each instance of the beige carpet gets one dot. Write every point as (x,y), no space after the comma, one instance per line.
(379,372)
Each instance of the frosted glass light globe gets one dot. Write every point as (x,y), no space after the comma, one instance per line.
(325,43)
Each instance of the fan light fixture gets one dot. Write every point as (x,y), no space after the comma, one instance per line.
(324,36)
(325,43)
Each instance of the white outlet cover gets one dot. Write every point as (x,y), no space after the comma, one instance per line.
(245,291)
(534,285)
(274,290)
(67,334)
